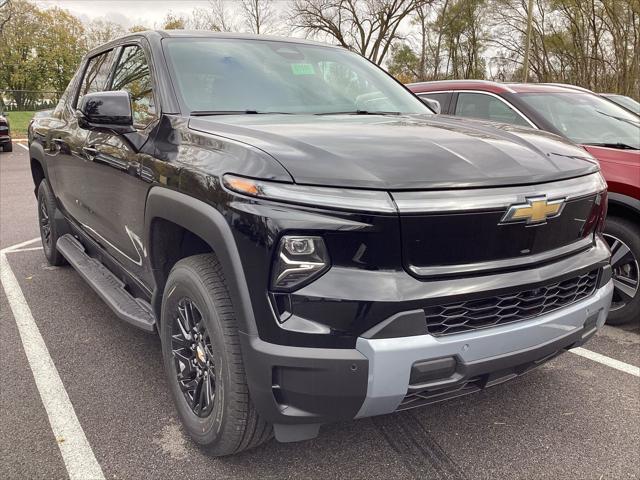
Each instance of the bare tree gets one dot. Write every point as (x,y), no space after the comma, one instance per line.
(259,15)
(591,43)
(6,10)
(216,17)
(99,31)
(366,26)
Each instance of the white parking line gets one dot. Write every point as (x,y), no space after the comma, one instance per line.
(30,249)
(608,361)
(23,146)
(20,245)
(76,452)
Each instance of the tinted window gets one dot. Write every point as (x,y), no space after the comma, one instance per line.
(487,107)
(268,76)
(132,75)
(443,98)
(586,118)
(96,74)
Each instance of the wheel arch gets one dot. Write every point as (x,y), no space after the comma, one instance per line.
(38,166)
(624,206)
(205,224)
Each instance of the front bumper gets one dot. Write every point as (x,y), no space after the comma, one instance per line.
(5,139)
(485,357)
(304,387)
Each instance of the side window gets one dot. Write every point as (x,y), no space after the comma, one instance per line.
(443,98)
(63,107)
(96,74)
(132,75)
(487,107)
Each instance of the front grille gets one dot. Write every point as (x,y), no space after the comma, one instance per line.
(514,307)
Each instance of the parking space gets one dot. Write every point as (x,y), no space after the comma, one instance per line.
(571,418)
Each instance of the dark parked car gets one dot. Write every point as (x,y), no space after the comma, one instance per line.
(607,131)
(5,134)
(310,242)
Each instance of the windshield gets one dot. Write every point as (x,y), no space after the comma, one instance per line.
(258,76)
(585,118)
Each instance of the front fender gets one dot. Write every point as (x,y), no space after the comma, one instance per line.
(209,224)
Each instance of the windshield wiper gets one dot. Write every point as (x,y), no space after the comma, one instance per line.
(619,145)
(360,112)
(620,119)
(197,113)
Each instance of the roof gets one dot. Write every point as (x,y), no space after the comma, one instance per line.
(210,34)
(493,87)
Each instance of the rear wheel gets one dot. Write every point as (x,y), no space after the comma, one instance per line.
(623,237)
(203,362)
(48,229)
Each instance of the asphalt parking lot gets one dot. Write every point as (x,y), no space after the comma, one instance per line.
(573,418)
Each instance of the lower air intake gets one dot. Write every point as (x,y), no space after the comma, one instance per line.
(514,307)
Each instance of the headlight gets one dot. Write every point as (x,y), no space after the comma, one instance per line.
(330,197)
(298,260)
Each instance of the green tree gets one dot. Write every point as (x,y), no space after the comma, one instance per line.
(61,48)
(173,22)
(40,50)
(403,63)
(138,28)
(21,70)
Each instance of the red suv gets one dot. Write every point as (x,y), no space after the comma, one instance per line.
(609,132)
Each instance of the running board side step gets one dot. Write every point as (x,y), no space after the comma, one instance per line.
(110,288)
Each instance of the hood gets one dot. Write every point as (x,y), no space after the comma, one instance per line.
(403,152)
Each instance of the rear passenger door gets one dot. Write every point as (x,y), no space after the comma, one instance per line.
(486,106)
(117,192)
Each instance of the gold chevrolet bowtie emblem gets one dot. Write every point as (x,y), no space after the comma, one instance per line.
(536,210)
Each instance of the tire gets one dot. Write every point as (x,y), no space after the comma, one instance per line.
(232,424)
(48,228)
(623,237)
(7,147)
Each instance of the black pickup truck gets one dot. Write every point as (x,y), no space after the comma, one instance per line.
(311,242)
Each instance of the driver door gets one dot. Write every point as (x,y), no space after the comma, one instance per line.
(118,193)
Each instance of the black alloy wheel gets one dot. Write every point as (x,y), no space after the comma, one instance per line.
(45,223)
(48,225)
(625,271)
(203,360)
(193,358)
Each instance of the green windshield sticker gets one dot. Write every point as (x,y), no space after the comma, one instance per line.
(302,69)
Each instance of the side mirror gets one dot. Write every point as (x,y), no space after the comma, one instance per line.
(110,111)
(432,104)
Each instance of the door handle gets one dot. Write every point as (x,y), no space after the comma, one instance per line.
(91,152)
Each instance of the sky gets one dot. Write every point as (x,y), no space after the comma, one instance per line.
(126,12)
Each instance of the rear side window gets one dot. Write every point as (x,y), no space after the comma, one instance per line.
(487,107)
(132,75)
(96,74)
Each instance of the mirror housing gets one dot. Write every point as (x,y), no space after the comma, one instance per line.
(106,111)
(432,104)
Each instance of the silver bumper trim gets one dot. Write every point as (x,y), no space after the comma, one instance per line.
(390,360)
